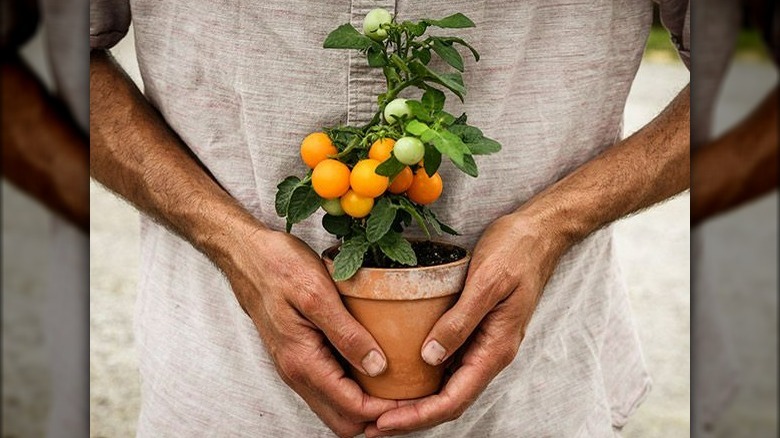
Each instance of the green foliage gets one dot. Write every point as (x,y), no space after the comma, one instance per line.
(403,52)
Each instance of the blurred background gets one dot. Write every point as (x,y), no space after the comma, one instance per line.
(654,247)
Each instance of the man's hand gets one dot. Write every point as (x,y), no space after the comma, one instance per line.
(278,280)
(282,285)
(511,264)
(518,253)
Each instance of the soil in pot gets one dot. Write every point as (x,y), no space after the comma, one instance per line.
(399,306)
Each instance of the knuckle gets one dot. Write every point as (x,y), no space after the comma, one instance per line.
(308,301)
(347,430)
(458,327)
(290,369)
(347,338)
(506,355)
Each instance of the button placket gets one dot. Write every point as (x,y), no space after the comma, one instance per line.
(364,82)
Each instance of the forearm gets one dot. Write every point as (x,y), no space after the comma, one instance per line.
(44,153)
(648,167)
(135,154)
(739,166)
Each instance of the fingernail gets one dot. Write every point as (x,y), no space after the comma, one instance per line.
(433,353)
(374,363)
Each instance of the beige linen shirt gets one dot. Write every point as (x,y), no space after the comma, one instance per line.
(243,82)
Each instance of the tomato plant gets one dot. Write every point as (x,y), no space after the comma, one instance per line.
(374,180)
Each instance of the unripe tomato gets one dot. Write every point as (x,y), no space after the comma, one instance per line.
(425,189)
(396,109)
(330,179)
(409,150)
(372,24)
(316,147)
(381,149)
(355,205)
(402,181)
(332,207)
(365,181)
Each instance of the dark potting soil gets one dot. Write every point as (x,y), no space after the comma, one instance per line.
(428,254)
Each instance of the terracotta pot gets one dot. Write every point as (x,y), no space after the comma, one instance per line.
(399,307)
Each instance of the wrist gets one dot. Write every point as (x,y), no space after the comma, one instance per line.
(225,236)
(554,229)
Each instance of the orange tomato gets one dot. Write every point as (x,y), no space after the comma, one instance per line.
(365,181)
(402,181)
(330,179)
(315,148)
(425,189)
(381,149)
(355,205)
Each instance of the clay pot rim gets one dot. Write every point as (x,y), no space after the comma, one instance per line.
(465,259)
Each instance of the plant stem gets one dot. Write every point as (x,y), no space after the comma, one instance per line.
(350,147)
(376,256)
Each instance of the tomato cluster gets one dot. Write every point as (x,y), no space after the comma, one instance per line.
(352,191)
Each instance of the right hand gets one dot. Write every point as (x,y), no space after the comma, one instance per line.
(285,289)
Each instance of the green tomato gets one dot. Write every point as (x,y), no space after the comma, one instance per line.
(372,24)
(409,150)
(332,207)
(395,110)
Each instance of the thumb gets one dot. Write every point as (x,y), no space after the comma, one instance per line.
(351,339)
(457,324)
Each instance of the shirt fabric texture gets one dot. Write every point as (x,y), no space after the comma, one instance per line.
(243,82)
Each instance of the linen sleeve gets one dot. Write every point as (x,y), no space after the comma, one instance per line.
(676,18)
(109,21)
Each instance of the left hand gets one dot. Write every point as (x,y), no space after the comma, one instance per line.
(510,266)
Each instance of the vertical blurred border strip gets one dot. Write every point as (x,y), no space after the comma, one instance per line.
(46,155)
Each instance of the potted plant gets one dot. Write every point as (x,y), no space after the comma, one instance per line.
(374,180)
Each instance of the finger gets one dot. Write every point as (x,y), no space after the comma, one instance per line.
(325,309)
(321,376)
(340,425)
(493,348)
(480,295)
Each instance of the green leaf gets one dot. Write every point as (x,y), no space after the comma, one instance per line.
(417,128)
(424,55)
(347,37)
(431,219)
(286,188)
(419,111)
(445,119)
(337,225)
(448,53)
(376,57)
(416,29)
(469,134)
(380,220)
(442,226)
(469,166)
(303,203)
(390,167)
(432,159)
(411,208)
(463,43)
(350,257)
(452,81)
(455,21)
(433,99)
(445,141)
(484,146)
(394,246)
